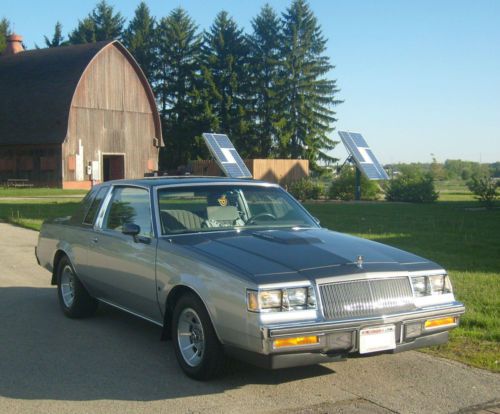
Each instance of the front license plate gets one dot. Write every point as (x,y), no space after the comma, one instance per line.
(377,338)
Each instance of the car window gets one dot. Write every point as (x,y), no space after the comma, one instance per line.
(129,205)
(94,207)
(219,207)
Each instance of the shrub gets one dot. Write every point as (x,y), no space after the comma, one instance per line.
(414,188)
(485,189)
(342,187)
(306,189)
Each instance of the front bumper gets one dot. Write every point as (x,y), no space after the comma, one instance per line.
(338,339)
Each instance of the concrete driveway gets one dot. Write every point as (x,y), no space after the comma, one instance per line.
(115,363)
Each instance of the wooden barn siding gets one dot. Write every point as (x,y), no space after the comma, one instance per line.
(27,162)
(281,171)
(111,113)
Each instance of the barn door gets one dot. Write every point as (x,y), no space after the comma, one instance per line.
(113,167)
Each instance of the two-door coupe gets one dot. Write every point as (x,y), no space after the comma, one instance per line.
(238,267)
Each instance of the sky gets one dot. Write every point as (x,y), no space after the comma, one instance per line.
(419,79)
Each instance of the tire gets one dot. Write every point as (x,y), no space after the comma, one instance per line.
(74,299)
(196,346)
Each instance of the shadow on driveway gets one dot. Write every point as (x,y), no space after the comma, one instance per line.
(113,356)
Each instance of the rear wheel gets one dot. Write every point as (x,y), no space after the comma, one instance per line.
(197,348)
(74,299)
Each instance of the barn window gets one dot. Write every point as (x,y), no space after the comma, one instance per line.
(7,164)
(26,163)
(48,163)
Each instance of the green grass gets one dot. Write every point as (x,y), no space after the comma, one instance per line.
(31,213)
(453,190)
(465,241)
(39,192)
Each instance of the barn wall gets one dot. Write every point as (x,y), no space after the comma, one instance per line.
(40,164)
(110,114)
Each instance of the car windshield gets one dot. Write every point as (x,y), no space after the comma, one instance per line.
(223,207)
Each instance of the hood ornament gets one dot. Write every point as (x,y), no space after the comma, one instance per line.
(359,262)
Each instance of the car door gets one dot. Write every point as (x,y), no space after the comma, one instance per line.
(122,267)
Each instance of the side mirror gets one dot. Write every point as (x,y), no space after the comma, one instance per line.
(131,229)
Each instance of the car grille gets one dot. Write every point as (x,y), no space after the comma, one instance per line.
(361,298)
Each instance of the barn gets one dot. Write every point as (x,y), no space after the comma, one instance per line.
(75,115)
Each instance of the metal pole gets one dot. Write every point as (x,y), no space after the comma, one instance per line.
(357,188)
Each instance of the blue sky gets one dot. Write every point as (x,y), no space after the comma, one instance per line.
(417,77)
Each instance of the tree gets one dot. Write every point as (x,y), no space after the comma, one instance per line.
(225,76)
(57,38)
(101,24)
(307,96)
(184,111)
(4,32)
(265,71)
(139,38)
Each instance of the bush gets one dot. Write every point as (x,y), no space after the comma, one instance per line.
(485,189)
(342,187)
(413,188)
(306,189)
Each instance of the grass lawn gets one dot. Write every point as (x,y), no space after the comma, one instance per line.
(465,241)
(38,192)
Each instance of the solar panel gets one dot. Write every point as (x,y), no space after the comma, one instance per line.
(226,155)
(363,156)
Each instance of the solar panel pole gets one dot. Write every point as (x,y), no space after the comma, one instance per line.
(357,185)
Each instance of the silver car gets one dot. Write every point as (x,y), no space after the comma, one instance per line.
(240,268)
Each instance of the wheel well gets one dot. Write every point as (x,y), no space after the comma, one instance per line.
(174,295)
(57,258)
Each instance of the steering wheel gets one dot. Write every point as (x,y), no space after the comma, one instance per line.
(252,219)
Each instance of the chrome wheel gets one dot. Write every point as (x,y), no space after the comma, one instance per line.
(68,286)
(191,337)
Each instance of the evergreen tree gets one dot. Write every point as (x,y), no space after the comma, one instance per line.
(265,77)
(182,107)
(57,38)
(139,38)
(226,83)
(4,32)
(101,24)
(307,96)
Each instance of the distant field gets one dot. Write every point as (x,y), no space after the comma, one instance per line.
(456,234)
(455,190)
(465,241)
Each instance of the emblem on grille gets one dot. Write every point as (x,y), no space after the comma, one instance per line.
(359,262)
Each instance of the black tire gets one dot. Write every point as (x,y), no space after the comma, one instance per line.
(78,305)
(209,361)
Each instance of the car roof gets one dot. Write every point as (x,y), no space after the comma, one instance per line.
(185,179)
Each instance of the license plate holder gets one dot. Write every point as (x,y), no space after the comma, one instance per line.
(377,338)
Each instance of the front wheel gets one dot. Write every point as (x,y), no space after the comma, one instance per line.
(197,348)
(74,299)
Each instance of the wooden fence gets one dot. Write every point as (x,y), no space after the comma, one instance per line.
(281,171)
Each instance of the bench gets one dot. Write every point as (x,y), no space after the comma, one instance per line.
(19,182)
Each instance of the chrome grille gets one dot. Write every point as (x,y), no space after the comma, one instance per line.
(360,298)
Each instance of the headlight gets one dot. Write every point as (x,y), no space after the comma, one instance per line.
(431,285)
(279,300)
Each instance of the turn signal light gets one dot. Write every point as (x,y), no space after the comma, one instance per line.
(297,341)
(436,323)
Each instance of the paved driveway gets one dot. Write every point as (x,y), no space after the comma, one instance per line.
(115,363)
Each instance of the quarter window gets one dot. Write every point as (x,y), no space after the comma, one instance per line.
(129,205)
(94,207)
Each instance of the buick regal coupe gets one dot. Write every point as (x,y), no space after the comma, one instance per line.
(238,267)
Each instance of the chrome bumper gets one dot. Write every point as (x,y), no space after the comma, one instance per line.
(341,337)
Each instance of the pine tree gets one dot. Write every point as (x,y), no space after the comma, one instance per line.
(57,38)
(265,76)
(226,83)
(182,107)
(4,32)
(307,96)
(101,24)
(139,38)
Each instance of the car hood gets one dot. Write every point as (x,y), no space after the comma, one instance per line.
(277,255)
